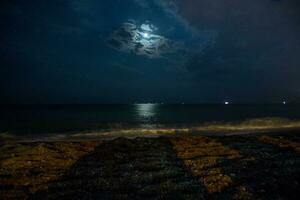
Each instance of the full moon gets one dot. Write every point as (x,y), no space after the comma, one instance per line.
(146,35)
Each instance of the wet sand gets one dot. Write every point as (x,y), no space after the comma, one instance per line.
(254,166)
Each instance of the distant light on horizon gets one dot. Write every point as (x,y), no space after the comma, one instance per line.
(226,102)
(284,102)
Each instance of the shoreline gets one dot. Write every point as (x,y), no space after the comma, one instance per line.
(81,136)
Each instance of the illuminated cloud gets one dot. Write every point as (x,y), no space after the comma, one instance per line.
(142,3)
(170,8)
(142,40)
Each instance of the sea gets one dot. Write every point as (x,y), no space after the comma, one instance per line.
(93,121)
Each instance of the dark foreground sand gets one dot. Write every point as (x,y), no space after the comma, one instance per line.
(196,167)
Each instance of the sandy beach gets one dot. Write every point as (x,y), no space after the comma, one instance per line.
(253,166)
(150,100)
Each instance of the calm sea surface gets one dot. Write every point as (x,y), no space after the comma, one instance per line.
(39,119)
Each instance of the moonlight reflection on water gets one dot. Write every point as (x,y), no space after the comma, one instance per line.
(146,112)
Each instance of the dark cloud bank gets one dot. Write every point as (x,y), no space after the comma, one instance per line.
(126,51)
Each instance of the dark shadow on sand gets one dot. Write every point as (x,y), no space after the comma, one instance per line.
(143,168)
(270,171)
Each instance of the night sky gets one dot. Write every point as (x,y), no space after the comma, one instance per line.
(171,51)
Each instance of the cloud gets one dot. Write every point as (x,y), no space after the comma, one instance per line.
(170,8)
(142,40)
(142,3)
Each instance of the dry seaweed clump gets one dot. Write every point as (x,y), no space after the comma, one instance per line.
(26,168)
(204,156)
(243,192)
(282,141)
